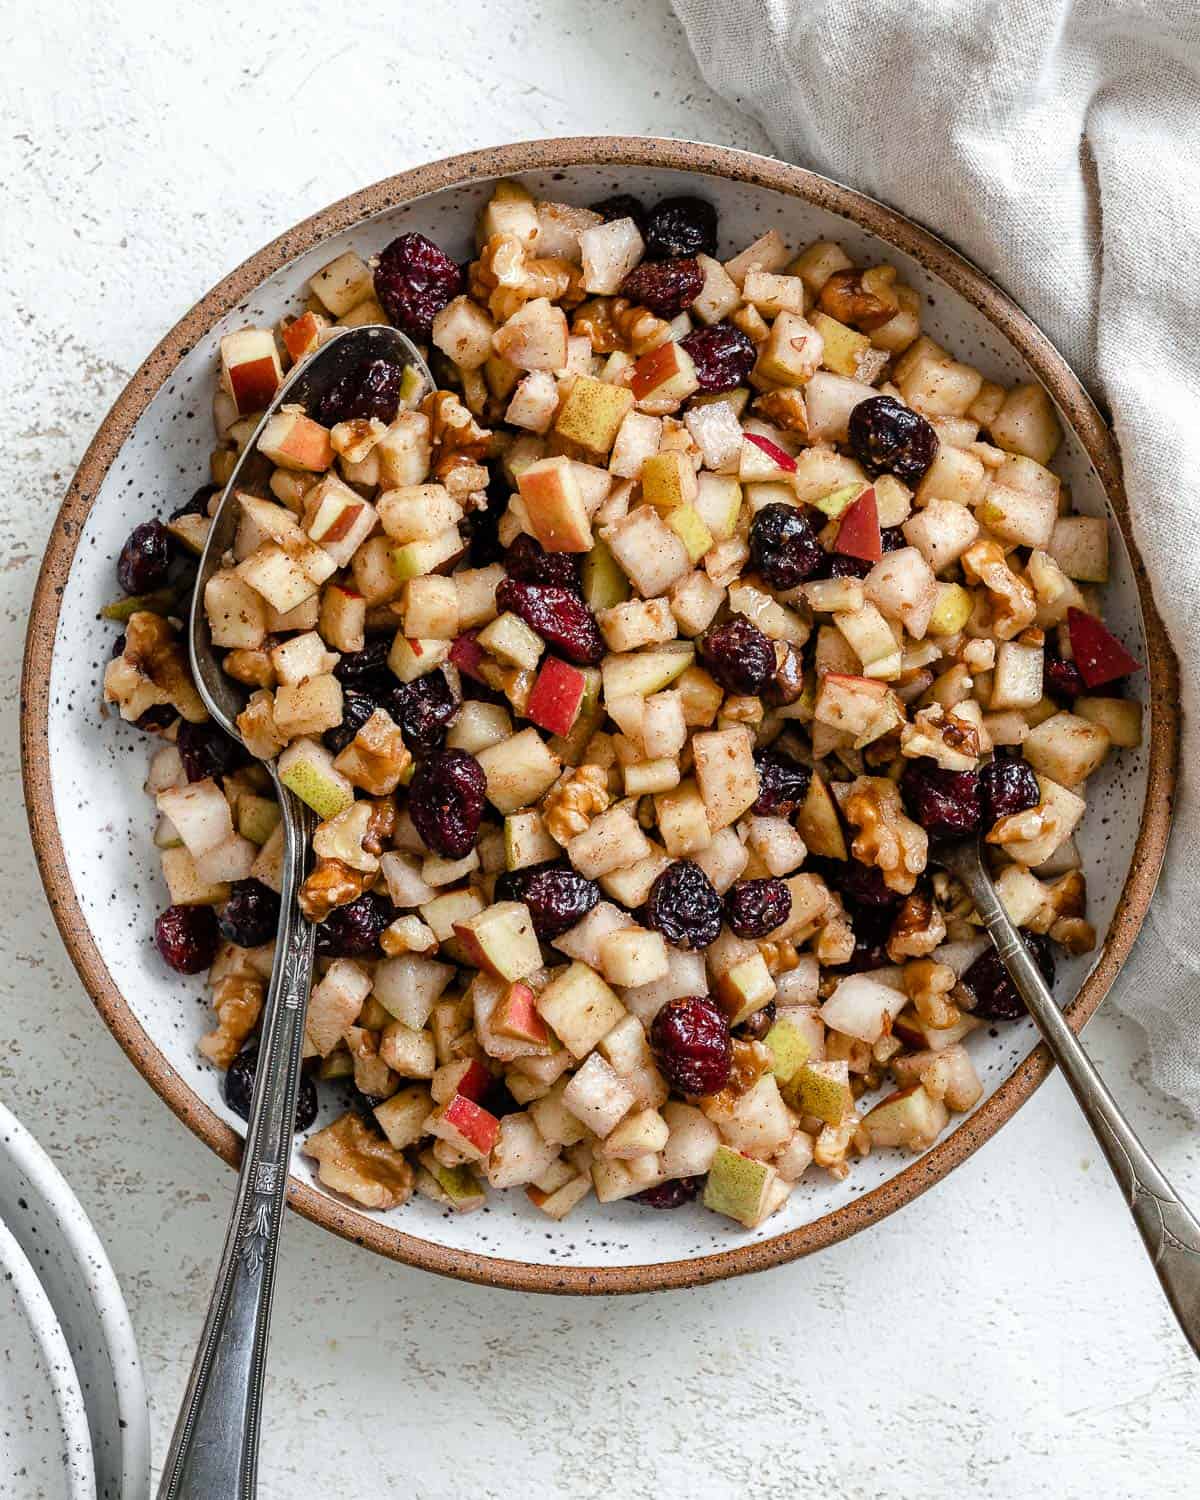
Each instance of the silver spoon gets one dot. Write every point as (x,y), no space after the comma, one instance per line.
(214,1449)
(1168,1228)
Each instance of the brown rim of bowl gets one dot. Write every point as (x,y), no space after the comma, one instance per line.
(615,151)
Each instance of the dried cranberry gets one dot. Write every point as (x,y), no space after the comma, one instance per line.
(497,1099)
(370,389)
(739,656)
(723,356)
(145,558)
(557,896)
(996,997)
(666,287)
(238,1088)
(353,931)
(357,708)
(367,670)
(890,438)
(945,803)
(558,616)
(784,546)
(755,1027)
(424,710)
(1006,787)
(251,915)
(159,717)
(684,907)
(858,885)
(445,801)
(673,1193)
(414,281)
(620,206)
(782,784)
(871,932)
(187,937)
(528,562)
(691,1041)
(198,504)
(208,751)
(480,529)
(1061,678)
(755,907)
(680,226)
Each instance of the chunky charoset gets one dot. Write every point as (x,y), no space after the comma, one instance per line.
(630,674)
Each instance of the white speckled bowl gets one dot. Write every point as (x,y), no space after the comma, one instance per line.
(92,825)
(45,1445)
(49,1224)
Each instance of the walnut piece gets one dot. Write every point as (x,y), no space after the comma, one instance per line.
(457,442)
(942,735)
(376,758)
(616,323)
(887,837)
(919,928)
(504,278)
(330,883)
(1013,603)
(353,1160)
(862,299)
(371,1074)
(928,985)
(786,408)
(258,728)
(254,668)
(341,838)
(571,805)
(152,671)
(238,1002)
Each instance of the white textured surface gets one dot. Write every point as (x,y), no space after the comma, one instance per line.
(1003,1335)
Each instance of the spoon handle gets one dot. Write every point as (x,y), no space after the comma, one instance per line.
(1168,1228)
(214,1449)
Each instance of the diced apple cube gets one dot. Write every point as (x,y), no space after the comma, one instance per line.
(1079,545)
(633,956)
(648,551)
(250,368)
(612,841)
(463,331)
(518,771)
(343,283)
(1026,423)
(200,814)
(278,577)
(580,1008)
(555,506)
(791,354)
(1120,717)
(1017,676)
(663,379)
(306,768)
(910,1118)
(739,1187)
(294,441)
(237,616)
(608,253)
(501,940)
(725,773)
(598,1096)
(593,413)
(535,337)
(1067,748)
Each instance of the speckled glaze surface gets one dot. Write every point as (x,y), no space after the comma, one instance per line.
(104,883)
(45,1445)
(47,1221)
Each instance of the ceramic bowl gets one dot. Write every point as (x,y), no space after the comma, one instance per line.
(92,824)
(56,1235)
(45,1444)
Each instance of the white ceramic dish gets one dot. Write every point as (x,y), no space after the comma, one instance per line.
(48,1222)
(154,452)
(45,1445)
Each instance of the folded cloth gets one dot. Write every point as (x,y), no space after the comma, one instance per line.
(1057,144)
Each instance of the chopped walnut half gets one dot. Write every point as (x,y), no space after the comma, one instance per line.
(943,736)
(834,1142)
(571,805)
(1018,827)
(331,883)
(887,837)
(751,1060)
(928,985)
(152,671)
(504,278)
(780,956)
(407,935)
(617,324)
(786,408)
(376,758)
(1061,913)
(238,1002)
(862,299)
(1013,603)
(516,683)
(456,440)
(341,838)
(353,1160)
(353,440)
(919,928)
(742,710)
